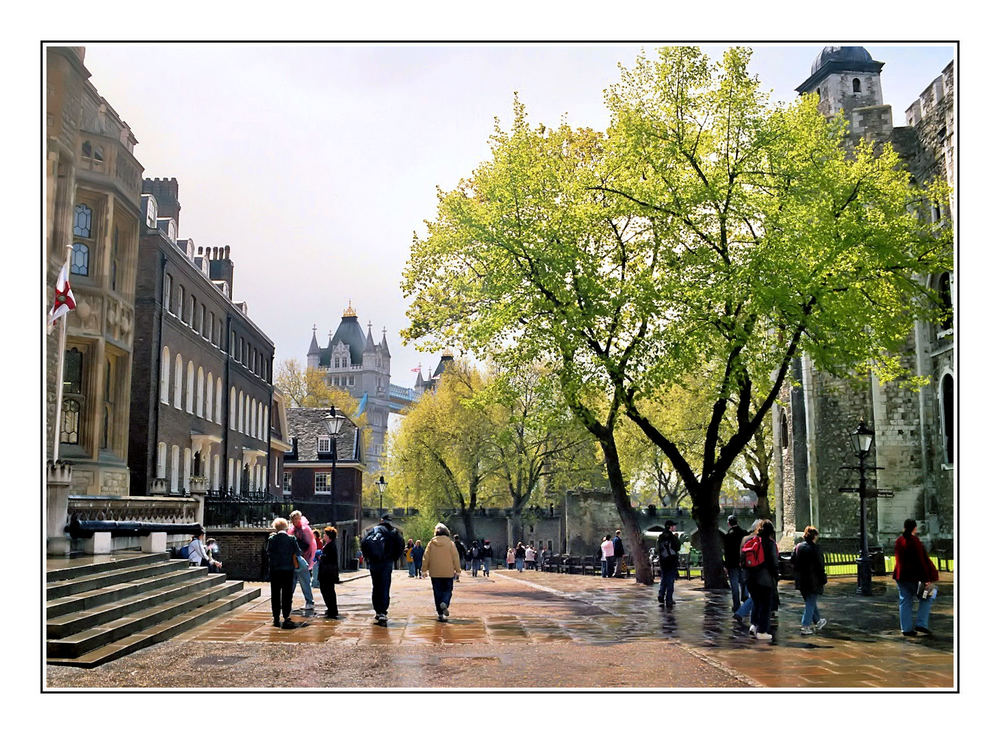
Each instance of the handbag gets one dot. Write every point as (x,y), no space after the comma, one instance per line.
(923,592)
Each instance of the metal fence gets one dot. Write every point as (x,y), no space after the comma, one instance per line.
(258,509)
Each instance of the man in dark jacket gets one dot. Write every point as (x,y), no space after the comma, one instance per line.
(810,578)
(329,572)
(668,548)
(382,546)
(460,547)
(619,555)
(731,553)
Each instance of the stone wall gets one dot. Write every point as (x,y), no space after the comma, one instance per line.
(241,551)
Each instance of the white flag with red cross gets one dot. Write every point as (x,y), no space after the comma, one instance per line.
(64,301)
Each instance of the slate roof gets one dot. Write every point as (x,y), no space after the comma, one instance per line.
(309,424)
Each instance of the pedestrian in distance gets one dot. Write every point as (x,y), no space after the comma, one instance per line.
(443,566)
(731,544)
(329,572)
(382,546)
(607,557)
(529,557)
(460,547)
(810,578)
(282,558)
(743,613)
(760,558)
(474,555)
(668,548)
(519,554)
(303,535)
(487,557)
(316,557)
(510,557)
(408,557)
(619,555)
(418,559)
(915,577)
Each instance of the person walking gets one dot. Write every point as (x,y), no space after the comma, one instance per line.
(510,557)
(731,544)
(408,557)
(743,613)
(460,547)
(382,546)
(329,572)
(474,554)
(913,569)
(418,559)
(810,578)
(607,557)
(519,554)
(443,566)
(316,557)
(760,556)
(619,555)
(282,558)
(303,535)
(668,549)
(529,556)
(487,557)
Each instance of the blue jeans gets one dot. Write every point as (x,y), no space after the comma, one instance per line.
(519,564)
(810,615)
(907,593)
(381,572)
(738,586)
(746,607)
(761,613)
(667,586)
(304,576)
(605,568)
(486,567)
(442,591)
(475,566)
(315,574)
(411,567)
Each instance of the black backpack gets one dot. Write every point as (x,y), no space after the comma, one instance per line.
(373,545)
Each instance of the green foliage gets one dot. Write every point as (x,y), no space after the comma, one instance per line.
(419,527)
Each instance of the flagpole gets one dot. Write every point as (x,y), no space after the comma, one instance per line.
(59,370)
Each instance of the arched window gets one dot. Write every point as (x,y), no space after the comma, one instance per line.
(161,460)
(79,262)
(218,400)
(165,376)
(200,401)
(856,85)
(944,293)
(187,469)
(168,291)
(189,402)
(242,408)
(232,409)
(215,471)
(947,406)
(175,464)
(178,380)
(180,303)
(209,403)
(784,430)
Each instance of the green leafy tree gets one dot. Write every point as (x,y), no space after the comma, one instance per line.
(707,234)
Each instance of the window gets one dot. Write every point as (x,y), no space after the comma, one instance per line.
(323,445)
(79,263)
(784,430)
(191,311)
(161,460)
(322,483)
(73,399)
(178,380)
(242,410)
(165,375)
(180,303)
(948,416)
(175,463)
(168,287)
(189,404)
(200,328)
(114,259)
(216,466)
(200,401)
(218,400)
(187,469)
(232,409)
(107,427)
(209,403)
(856,84)
(82,216)
(231,474)
(944,293)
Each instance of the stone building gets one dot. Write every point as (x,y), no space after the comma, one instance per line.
(308,465)
(914,431)
(202,397)
(92,185)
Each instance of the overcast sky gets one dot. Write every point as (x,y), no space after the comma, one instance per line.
(316,163)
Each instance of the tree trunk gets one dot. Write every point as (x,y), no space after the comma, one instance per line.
(763,509)
(516,525)
(470,531)
(705,511)
(630,528)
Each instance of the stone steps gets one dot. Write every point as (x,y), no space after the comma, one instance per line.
(111,607)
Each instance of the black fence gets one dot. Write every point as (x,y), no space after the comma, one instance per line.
(258,509)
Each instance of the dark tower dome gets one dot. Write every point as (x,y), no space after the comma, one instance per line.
(834,59)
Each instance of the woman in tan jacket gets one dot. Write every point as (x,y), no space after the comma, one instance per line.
(443,566)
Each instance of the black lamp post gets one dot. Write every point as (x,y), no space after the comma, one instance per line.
(381,484)
(862,442)
(334,421)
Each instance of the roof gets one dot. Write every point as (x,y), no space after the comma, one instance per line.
(838,58)
(309,424)
(349,332)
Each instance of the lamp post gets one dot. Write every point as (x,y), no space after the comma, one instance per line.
(334,421)
(380,485)
(862,441)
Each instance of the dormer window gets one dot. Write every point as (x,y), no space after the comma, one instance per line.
(323,445)
(857,86)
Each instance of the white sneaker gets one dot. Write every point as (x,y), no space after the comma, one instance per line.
(820,624)
(762,635)
(808,630)
(753,630)
(310,605)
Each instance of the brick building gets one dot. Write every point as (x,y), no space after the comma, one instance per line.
(914,431)
(92,183)
(202,398)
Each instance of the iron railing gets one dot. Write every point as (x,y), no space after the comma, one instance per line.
(258,509)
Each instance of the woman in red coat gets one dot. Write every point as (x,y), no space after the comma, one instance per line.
(913,565)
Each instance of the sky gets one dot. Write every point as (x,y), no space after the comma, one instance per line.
(316,163)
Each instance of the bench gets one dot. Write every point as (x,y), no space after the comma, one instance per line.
(589,566)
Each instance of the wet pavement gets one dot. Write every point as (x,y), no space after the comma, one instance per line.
(543,630)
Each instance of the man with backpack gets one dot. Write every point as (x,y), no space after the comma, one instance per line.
(668,548)
(382,546)
(731,544)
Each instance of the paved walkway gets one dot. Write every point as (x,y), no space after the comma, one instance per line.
(542,630)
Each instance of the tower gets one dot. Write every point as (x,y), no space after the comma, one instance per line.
(848,80)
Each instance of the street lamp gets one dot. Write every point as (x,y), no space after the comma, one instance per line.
(381,484)
(862,441)
(334,421)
